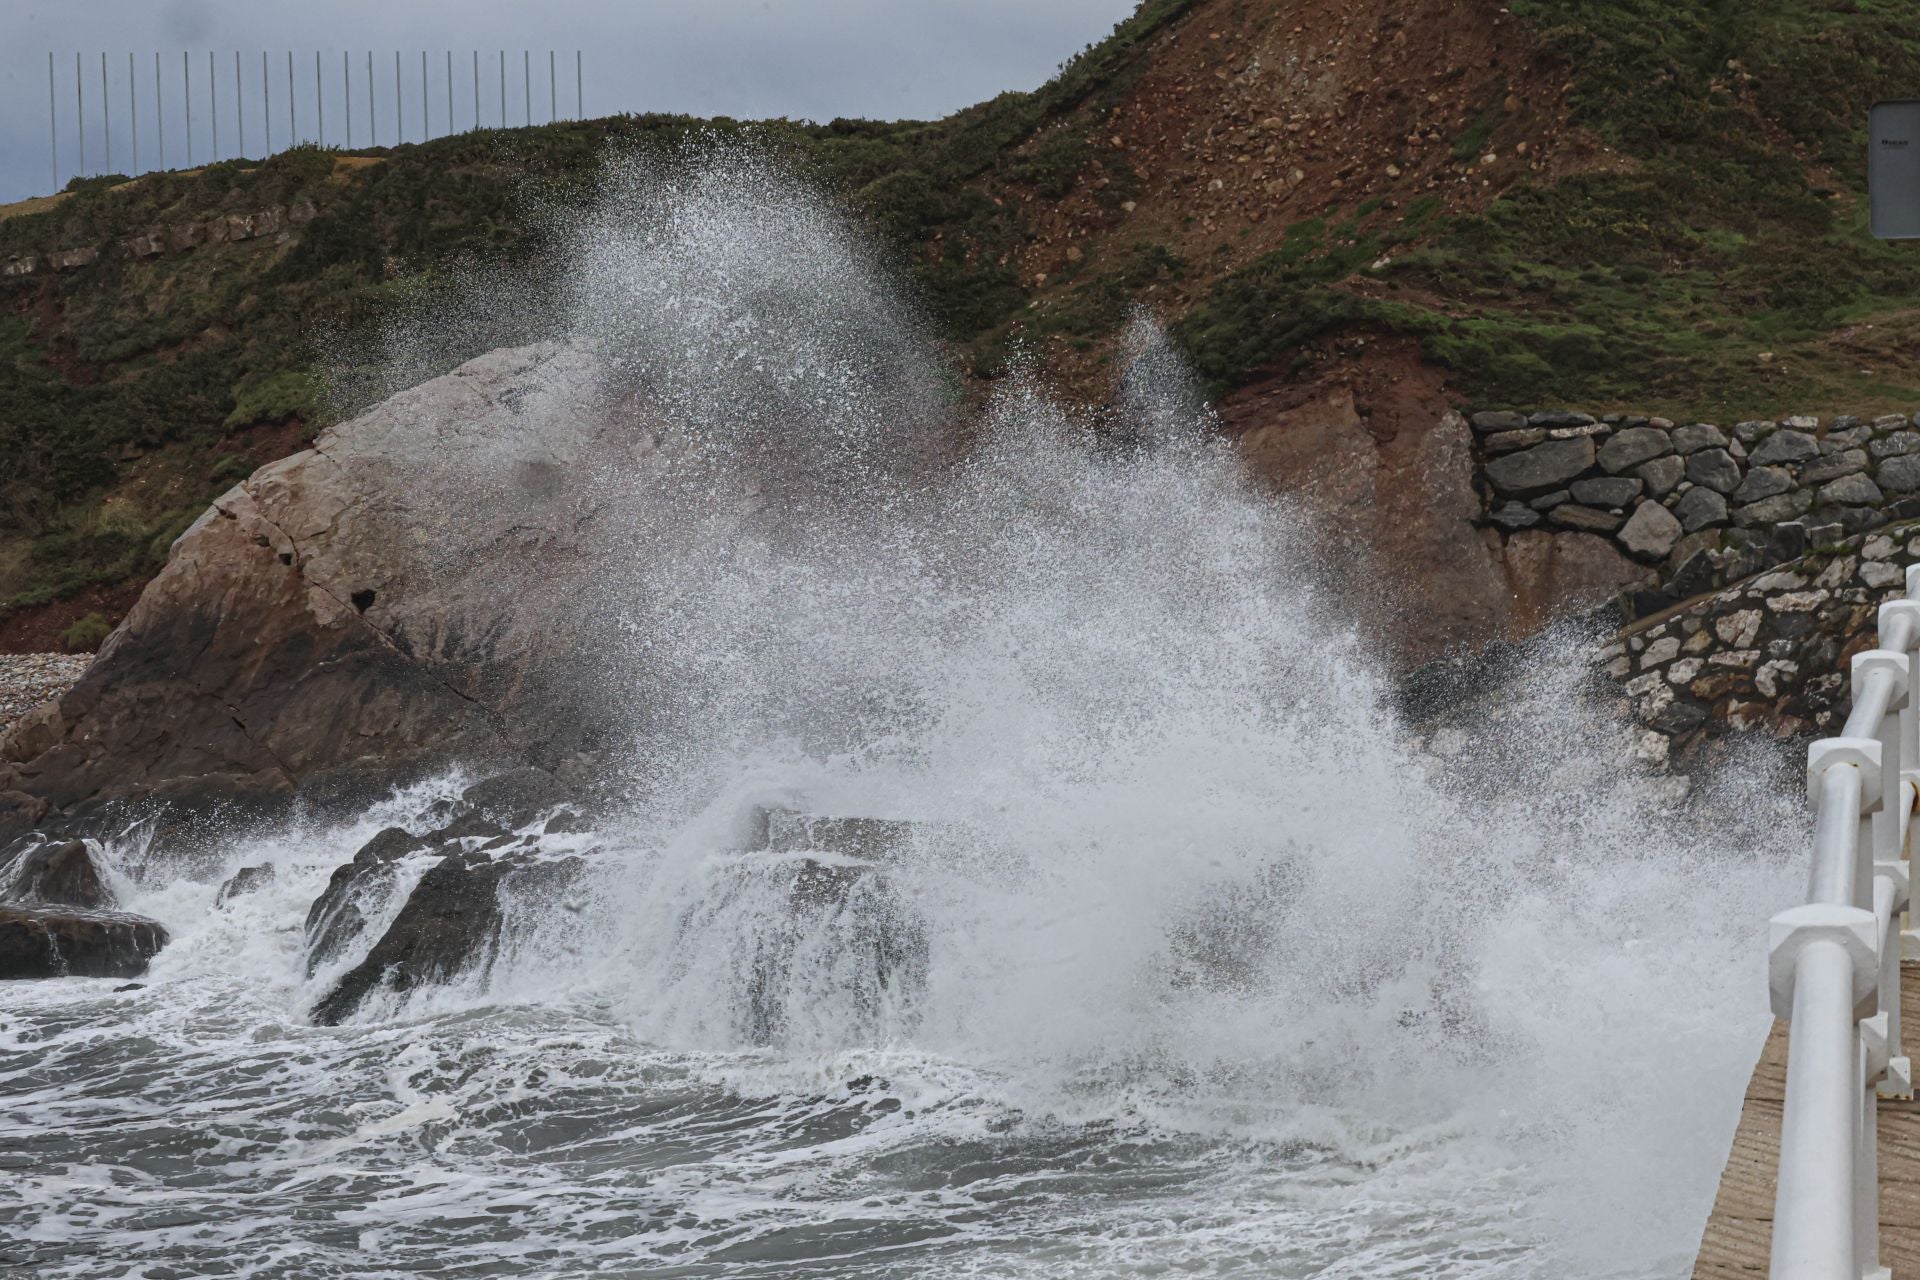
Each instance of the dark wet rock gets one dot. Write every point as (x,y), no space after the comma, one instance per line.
(1548,501)
(1497,420)
(1787,541)
(1785,446)
(338,916)
(1714,468)
(1632,447)
(516,798)
(1541,468)
(450,924)
(1606,491)
(244,881)
(62,873)
(1560,418)
(61,942)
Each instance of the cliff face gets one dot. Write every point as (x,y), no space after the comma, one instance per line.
(1359,217)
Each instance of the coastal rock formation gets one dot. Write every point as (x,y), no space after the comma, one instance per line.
(58,942)
(334,620)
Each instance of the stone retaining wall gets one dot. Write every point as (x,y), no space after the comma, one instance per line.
(1769,653)
(1702,505)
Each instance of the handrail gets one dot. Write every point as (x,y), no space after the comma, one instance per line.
(1833,967)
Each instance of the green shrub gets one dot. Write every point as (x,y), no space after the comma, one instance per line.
(85,635)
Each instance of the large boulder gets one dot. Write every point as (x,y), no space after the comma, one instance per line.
(61,942)
(335,619)
(61,873)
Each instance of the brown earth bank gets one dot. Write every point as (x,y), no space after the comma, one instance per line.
(1351,212)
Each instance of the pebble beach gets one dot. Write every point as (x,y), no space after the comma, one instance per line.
(29,679)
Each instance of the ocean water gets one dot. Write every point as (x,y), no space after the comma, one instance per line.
(1198,960)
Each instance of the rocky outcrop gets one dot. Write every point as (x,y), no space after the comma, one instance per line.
(221,228)
(58,942)
(334,622)
(56,922)
(450,921)
(63,873)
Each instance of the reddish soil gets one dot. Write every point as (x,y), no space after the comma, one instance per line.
(38,630)
(1248,119)
(265,442)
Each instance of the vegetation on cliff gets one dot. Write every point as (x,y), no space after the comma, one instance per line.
(1594,201)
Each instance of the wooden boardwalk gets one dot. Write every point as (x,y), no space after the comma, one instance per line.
(1740,1232)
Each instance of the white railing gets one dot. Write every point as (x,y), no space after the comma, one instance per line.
(1833,968)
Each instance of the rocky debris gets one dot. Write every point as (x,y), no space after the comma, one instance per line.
(28,680)
(221,228)
(62,873)
(63,942)
(244,881)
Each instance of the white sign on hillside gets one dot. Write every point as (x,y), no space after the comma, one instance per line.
(1893,170)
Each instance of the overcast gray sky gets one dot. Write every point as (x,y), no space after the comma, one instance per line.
(808,59)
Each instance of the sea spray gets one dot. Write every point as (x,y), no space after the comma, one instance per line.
(1214,966)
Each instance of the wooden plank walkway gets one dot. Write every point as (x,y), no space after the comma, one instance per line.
(1740,1232)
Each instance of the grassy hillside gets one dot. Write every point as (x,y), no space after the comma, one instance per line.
(1603,202)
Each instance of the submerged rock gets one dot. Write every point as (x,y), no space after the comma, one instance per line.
(244,881)
(57,942)
(449,925)
(339,915)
